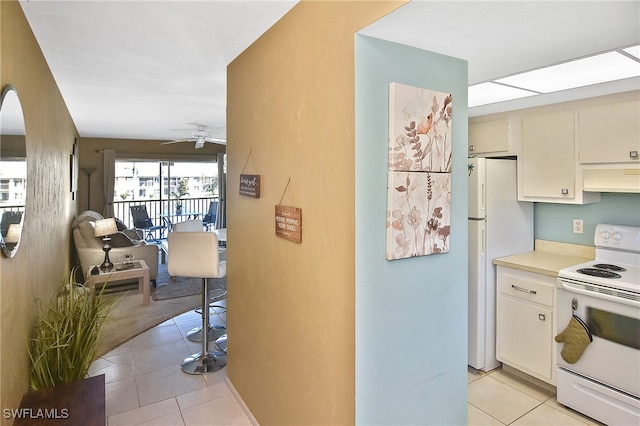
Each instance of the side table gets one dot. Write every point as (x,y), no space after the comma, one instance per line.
(140,270)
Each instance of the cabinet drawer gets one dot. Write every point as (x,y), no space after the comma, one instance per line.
(525,288)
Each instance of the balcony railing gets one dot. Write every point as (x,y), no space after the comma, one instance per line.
(157,208)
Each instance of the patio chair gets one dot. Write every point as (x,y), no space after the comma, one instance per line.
(9,218)
(141,220)
(210,218)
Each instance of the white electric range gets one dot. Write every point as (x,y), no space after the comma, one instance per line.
(605,294)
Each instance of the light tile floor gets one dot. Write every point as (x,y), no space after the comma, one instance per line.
(145,385)
(501,398)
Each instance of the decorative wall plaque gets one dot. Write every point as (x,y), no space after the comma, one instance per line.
(250,185)
(289,223)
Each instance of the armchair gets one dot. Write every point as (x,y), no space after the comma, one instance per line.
(89,248)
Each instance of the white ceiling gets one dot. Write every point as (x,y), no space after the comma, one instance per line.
(138,69)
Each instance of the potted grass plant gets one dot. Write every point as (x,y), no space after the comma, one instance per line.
(181,191)
(66,335)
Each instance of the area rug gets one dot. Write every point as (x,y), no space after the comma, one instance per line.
(182,287)
(129,317)
(169,288)
(169,299)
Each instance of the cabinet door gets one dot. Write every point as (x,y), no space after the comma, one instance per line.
(489,136)
(548,155)
(525,336)
(609,133)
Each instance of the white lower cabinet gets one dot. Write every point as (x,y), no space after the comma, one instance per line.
(525,322)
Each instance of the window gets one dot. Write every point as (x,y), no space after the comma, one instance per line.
(146,180)
(156,184)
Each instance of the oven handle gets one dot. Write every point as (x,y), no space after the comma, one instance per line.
(577,288)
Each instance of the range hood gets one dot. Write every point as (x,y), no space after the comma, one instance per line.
(612,179)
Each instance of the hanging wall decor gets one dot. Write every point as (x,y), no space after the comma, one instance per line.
(289,223)
(249,184)
(418,215)
(288,220)
(419,129)
(419,176)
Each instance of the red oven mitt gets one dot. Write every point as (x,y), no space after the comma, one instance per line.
(576,336)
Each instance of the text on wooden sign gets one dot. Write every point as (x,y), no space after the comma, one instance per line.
(250,185)
(289,223)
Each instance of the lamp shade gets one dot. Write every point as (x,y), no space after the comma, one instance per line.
(13,233)
(105,227)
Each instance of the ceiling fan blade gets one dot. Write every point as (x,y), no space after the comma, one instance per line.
(177,141)
(198,125)
(216,140)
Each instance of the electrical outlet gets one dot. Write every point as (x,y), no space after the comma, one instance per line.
(578,227)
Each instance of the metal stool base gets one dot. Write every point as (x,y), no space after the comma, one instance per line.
(221,343)
(203,364)
(215,331)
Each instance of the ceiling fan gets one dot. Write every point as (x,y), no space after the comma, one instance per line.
(201,134)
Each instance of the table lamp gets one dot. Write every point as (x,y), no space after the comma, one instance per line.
(104,228)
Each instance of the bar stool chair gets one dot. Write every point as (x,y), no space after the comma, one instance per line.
(215,331)
(195,254)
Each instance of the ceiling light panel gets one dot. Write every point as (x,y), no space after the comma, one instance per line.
(488,93)
(582,72)
(633,50)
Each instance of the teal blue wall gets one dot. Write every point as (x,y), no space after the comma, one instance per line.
(554,221)
(411,314)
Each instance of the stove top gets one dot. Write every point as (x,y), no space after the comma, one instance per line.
(627,279)
(617,262)
(596,271)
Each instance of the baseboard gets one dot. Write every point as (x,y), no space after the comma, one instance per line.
(529,378)
(241,402)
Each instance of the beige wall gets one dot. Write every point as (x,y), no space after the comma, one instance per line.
(292,306)
(45,255)
(43,259)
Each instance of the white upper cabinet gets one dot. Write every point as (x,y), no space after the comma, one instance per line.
(609,133)
(570,152)
(548,155)
(489,137)
(547,166)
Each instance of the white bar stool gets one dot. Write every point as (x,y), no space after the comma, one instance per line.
(214,331)
(195,254)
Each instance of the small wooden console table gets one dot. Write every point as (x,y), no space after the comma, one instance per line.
(140,270)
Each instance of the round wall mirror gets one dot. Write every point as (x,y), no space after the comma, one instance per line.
(13,171)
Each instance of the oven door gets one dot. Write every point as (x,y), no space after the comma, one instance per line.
(613,317)
(603,383)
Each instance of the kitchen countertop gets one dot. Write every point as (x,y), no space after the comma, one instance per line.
(546,262)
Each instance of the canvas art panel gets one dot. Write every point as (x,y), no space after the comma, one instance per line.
(418,214)
(419,129)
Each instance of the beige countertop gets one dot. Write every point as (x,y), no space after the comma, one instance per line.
(548,258)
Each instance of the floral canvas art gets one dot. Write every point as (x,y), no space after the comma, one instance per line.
(419,129)
(418,214)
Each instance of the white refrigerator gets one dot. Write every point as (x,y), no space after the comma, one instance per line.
(499,225)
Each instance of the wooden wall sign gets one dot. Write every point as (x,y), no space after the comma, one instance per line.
(289,223)
(250,185)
